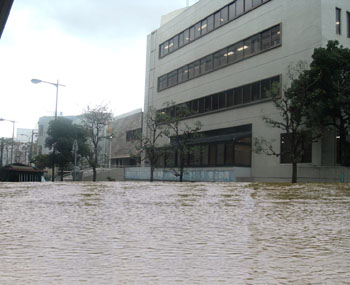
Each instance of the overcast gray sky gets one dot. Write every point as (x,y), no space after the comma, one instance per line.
(97,48)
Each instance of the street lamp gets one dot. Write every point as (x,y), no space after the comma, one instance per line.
(13,136)
(36,81)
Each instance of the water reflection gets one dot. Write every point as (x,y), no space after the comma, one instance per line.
(195,233)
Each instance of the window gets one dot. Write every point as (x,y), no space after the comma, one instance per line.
(215,101)
(220,159)
(207,106)
(275,36)
(186,36)
(238,96)
(163,82)
(229,153)
(239,7)
(220,58)
(212,154)
(217,21)
(171,45)
(255,44)
(181,39)
(205,155)
(191,71)
(133,135)
(266,40)
(210,20)
(248,5)
(256,3)
(222,100)
(255,91)
(242,155)
(338,21)
(224,15)
(182,74)
(232,11)
(208,64)
(304,142)
(204,26)
(176,43)
(247,95)
(348,22)
(265,88)
(239,48)
(231,54)
(197,69)
(191,34)
(229,98)
(197,30)
(172,78)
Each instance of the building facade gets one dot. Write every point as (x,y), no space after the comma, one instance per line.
(220,57)
(126,130)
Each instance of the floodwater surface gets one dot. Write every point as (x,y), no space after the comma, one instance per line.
(161,233)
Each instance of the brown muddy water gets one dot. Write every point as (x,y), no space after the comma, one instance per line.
(161,233)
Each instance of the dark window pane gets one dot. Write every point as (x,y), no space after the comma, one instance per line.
(176,42)
(247,47)
(256,3)
(171,45)
(239,48)
(191,34)
(255,44)
(207,106)
(181,39)
(195,106)
(220,58)
(239,7)
(222,100)
(201,105)
(197,68)
(224,15)
(276,85)
(212,154)
(215,102)
(266,39)
(232,11)
(248,5)
(247,94)
(203,66)
(205,155)
(186,36)
(231,54)
(275,36)
(209,63)
(162,49)
(191,71)
(229,153)
(265,88)
(238,96)
(196,154)
(217,21)
(338,20)
(163,82)
(204,27)
(210,23)
(242,155)
(197,30)
(172,78)
(348,22)
(220,159)
(229,96)
(183,74)
(256,91)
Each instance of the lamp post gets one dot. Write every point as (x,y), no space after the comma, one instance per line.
(36,81)
(13,136)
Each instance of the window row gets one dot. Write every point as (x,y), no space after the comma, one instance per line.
(133,135)
(210,23)
(226,56)
(229,153)
(233,97)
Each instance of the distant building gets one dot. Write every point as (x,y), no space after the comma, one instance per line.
(126,129)
(25,135)
(5,8)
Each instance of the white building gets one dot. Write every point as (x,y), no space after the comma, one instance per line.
(219,57)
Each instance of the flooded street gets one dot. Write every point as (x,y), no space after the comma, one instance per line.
(190,233)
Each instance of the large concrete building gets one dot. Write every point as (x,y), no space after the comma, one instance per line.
(219,57)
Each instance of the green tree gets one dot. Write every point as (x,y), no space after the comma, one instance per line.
(181,136)
(149,143)
(42,161)
(293,121)
(95,122)
(328,98)
(61,134)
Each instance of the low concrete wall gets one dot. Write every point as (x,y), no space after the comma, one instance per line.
(323,174)
(105,174)
(224,174)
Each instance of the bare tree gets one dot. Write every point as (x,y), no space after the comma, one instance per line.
(95,121)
